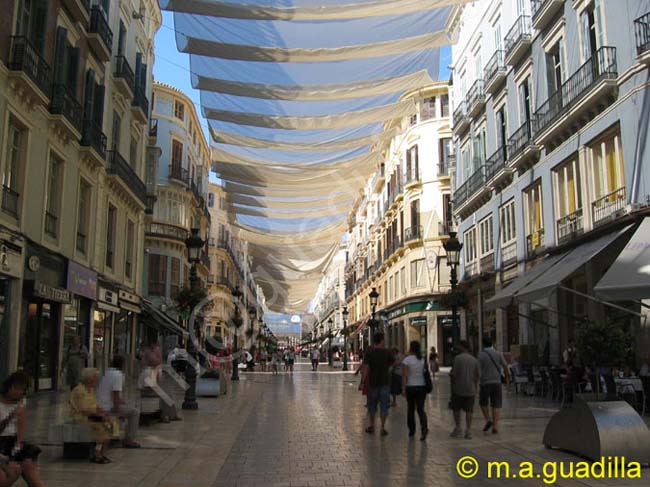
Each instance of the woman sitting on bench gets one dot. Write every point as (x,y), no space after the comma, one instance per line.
(83,402)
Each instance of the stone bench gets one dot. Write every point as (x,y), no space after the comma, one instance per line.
(76,438)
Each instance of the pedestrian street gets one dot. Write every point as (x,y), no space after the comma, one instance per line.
(304,430)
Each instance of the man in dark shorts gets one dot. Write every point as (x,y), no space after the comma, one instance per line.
(465,375)
(376,369)
(493,367)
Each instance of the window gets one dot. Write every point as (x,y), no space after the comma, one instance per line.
(444,105)
(469,244)
(428,108)
(133,153)
(525,102)
(486,229)
(591,27)
(157,274)
(83,218)
(555,67)
(391,288)
(175,277)
(53,196)
(496,35)
(111,224)
(446,213)
(415,215)
(402,280)
(507,222)
(502,128)
(210,200)
(417,273)
(179,110)
(15,153)
(521,7)
(608,167)
(413,120)
(444,151)
(478,148)
(567,188)
(533,210)
(466,159)
(31,21)
(412,163)
(177,158)
(117,124)
(130,243)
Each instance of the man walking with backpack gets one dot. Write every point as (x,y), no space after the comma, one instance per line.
(493,374)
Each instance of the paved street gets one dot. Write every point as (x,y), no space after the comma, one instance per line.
(305,430)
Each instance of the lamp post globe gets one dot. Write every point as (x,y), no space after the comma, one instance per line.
(374,297)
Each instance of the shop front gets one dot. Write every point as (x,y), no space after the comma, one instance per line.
(77,315)
(125,326)
(104,317)
(11,272)
(44,298)
(414,320)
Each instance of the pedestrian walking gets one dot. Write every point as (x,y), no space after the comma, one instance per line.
(275,360)
(377,362)
(264,358)
(315,359)
(493,367)
(396,377)
(433,361)
(465,375)
(291,360)
(415,390)
(74,361)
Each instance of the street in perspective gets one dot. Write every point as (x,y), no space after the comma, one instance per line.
(305,243)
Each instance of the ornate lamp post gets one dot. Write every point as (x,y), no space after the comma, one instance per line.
(374,296)
(237,322)
(453,247)
(345,314)
(329,343)
(194,244)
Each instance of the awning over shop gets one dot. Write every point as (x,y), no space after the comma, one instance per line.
(629,277)
(360,327)
(162,319)
(504,297)
(570,262)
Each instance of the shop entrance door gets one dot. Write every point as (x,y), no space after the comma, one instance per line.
(446,325)
(42,336)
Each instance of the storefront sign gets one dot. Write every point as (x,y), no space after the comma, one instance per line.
(419,321)
(413,308)
(51,293)
(82,281)
(11,260)
(130,301)
(107,300)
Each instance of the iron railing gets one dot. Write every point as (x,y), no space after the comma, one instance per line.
(24,57)
(642,33)
(534,241)
(140,100)
(10,201)
(569,226)
(412,176)
(495,163)
(153,127)
(124,71)
(118,166)
(63,102)
(443,168)
(51,224)
(166,230)
(475,94)
(444,228)
(99,25)
(602,65)
(508,252)
(92,136)
(179,173)
(494,65)
(459,113)
(520,139)
(520,31)
(413,233)
(608,205)
(195,190)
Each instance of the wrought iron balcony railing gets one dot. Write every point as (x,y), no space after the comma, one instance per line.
(24,57)
(153,127)
(179,173)
(63,102)
(520,31)
(569,226)
(99,25)
(166,230)
(608,205)
(92,136)
(118,166)
(495,163)
(521,138)
(494,65)
(140,100)
(413,233)
(475,94)
(642,33)
(124,71)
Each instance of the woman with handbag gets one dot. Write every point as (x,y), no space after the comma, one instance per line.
(13,426)
(416,386)
(83,403)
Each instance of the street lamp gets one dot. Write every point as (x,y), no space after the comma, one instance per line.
(194,244)
(237,322)
(453,247)
(329,343)
(345,314)
(374,296)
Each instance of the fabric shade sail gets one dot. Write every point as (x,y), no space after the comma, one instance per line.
(629,276)
(302,98)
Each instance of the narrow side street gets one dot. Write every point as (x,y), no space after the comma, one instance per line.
(306,430)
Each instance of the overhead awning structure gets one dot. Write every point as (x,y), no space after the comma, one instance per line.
(570,262)
(629,276)
(506,296)
(161,319)
(301,97)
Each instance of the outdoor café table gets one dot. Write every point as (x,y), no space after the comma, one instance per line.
(631,384)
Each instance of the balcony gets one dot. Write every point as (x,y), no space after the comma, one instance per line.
(100,36)
(496,168)
(471,269)
(153,128)
(51,224)
(475,99)
(443,169)
(79,9)
(569,227)
(444,228)
(461,122)
(166,230)
(642,34)
(179,173)
(93,142)
(195,192)
(124,174)
(544,11)
(495,72)
(205,259)
(379,178)
(66,111)
(413,235)
(535,243)
(472,189)
(151,201)
(412,178)
(522,149)
(140,106)
(609,207)
(509,254)
(518,40)
(29,74)
(124,77)
(579,99)
(10,199)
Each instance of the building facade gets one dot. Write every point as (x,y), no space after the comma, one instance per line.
(75,80)
(550,115)
(330,299)
(398,227)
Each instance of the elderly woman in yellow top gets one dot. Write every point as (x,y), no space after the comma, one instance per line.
(83,402)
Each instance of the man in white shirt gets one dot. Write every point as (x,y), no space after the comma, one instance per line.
(315,358)
(110,396)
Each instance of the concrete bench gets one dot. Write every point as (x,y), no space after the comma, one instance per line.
(76,438)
